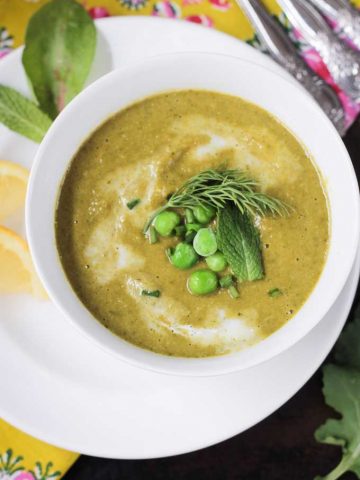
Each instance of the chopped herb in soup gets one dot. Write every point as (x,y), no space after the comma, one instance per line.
(192,224)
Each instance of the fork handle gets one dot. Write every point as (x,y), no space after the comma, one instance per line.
(282,50)
(342,61)
(347,18)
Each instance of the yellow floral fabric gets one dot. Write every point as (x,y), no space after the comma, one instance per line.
(224,15)
(25,458)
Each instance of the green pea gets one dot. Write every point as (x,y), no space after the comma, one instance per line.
(204,213)
(216,262)
(165,222)
(202,282)
(205,243)
(184,256)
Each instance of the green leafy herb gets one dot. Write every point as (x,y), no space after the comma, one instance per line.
(217,188)
(153,293)
(132,204)
(233,292)
(59,49)
(239,241)
(342,392)
(21,115)
(189,236)
(192,227)
(180,231)
(275,292)
(226,281)
(153,238)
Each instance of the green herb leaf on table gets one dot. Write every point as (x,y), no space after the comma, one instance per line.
(342,392)
(22,115)
(59,49)
(239,241)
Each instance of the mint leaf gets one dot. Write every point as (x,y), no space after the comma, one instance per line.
(59,49)
(239,240)
(21,115)
(342,392)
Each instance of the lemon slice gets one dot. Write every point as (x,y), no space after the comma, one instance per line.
(17,274)
(13,182)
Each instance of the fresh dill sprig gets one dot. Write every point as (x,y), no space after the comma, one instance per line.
(215,188)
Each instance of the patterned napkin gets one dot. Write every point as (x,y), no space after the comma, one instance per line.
(21,456)
(24,458)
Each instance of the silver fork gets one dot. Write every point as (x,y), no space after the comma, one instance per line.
(342,61)
(282,50)
(345,15)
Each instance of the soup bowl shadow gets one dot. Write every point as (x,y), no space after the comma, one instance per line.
(289,103)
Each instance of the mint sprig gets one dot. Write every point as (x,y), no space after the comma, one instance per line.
(22,115)
(239,241)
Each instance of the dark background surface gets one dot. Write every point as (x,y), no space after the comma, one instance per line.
(282,447)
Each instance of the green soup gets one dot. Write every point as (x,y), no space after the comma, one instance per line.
(146,152)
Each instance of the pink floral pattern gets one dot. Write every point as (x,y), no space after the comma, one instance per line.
(191,2)
(98,12)
(204,20)
(222,5)
(315,62)
(166,9)
(24,476)
(11,468)
(6,42)
(313,59)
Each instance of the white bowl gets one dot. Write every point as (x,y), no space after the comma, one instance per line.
(289,103)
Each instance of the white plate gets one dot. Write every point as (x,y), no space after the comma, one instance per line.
(61,388)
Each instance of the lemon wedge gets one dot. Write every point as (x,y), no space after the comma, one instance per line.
(13,182)
(17,274)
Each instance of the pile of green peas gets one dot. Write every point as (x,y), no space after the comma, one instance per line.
(197,242)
